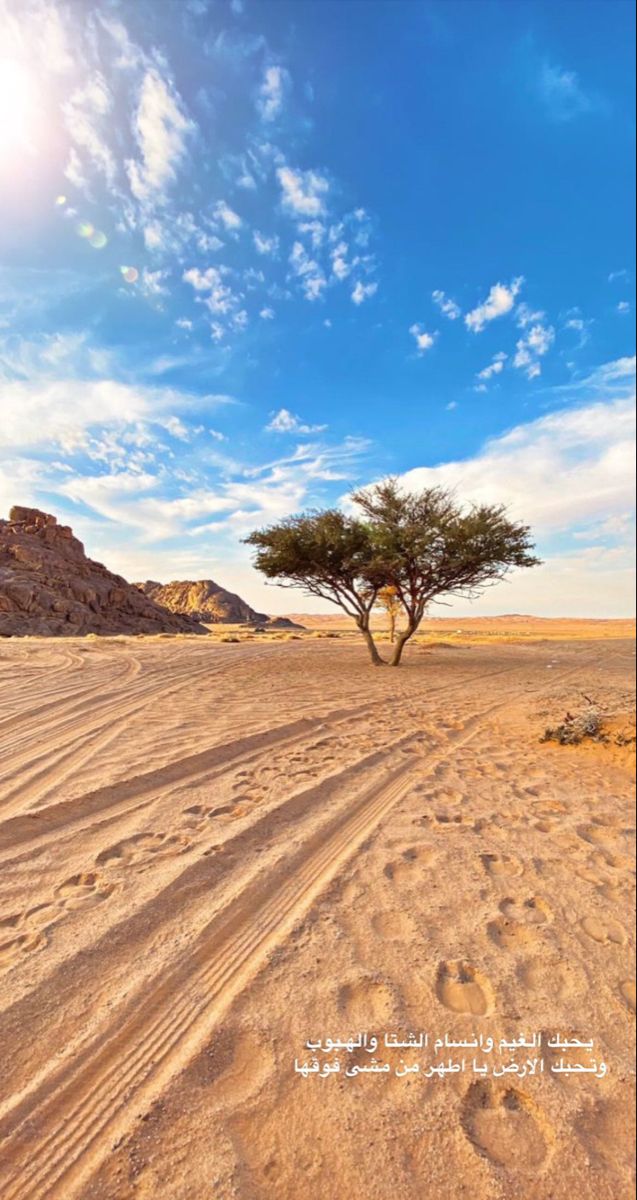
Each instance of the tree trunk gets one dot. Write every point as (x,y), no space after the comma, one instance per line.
(403,638)
(392,627)
(371,646)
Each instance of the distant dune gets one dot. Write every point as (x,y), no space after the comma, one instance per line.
(508,625)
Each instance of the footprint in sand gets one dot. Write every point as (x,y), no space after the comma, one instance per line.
(84,890)
(607,931)
(234,1066)
(367,1002)
(506,1126)
(464,989)
(411,865)
(534,911)
(607,1130)
(598,835)
(143,848)
(449,796)
(556,979)
(29,930)
(512,935)
(627,991)
(501,865)
(393,926)
(199,814)
(20,945)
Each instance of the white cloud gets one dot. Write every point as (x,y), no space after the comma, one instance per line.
(495,367)
(84,113)
(565,474)
(623,306)
(524,315)
(267,314)
(561,470)
(498,303)
(363,291)
(230,219)
(424,340)
(340,266)
(220,298)
(533,346)
(446,305)
(62,412)
(563,95)
(308,271)
(286,422)
(276,82)
(161,128)
(153,283)
(316,230)
(264,244)
(304,192)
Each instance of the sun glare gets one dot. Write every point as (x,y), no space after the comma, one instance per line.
(17,107)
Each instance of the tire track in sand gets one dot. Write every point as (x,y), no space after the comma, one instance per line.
(81,1110)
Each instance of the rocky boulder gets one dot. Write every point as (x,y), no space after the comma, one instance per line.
(49,587)
(202,599)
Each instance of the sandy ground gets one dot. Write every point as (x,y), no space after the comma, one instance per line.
(212,853)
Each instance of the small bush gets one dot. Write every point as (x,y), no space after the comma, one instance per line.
(574,730)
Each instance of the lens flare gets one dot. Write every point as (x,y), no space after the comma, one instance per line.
(98,240)
(86,230)
(60,201)
(130,274)
(17,106)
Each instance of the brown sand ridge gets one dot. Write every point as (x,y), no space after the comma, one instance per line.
(212,853)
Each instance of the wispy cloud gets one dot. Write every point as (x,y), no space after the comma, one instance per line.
(363,291)
(424,340)
(303,192)
(230,220)
(498,303)
(306,269)
(286,422)
(495,367)
(447,306)
(531,348)
(564,96)
(276,82)
(161,128)
(265,244)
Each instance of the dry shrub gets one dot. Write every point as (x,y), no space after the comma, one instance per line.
(229,638)
(574,730)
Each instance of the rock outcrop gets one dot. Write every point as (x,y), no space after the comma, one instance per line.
(202,599)
(49,587)
(283,623)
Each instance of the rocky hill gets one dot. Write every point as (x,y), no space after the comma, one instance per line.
(49,587)
(204,600)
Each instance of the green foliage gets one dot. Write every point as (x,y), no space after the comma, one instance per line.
(430,545)
(328,553)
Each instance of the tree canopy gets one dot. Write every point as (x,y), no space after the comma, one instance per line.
(422,545)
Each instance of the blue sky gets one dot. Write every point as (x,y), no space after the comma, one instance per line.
(253,254)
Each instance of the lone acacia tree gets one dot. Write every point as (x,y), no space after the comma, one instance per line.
(422,544)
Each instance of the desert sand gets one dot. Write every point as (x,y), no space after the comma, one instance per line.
(213,852)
